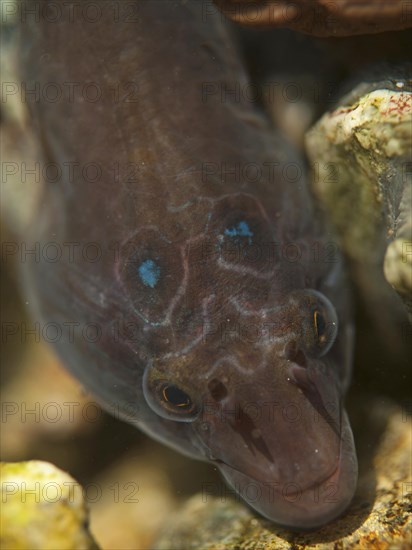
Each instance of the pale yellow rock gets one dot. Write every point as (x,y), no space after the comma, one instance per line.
(361,153)
(398,265)
(354,151)
(42,508)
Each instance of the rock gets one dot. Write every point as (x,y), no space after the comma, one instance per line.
(361,153)
(42,508)
(379,516)
(321,17)
(398,269)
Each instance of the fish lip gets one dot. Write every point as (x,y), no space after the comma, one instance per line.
(325,480)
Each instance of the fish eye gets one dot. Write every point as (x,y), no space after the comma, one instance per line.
(175,397)
(318,322)
(168,400)
(324,325)
(320,326)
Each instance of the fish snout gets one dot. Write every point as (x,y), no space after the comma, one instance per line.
(295,507)
(282,452)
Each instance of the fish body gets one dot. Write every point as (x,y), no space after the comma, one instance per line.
(198,292)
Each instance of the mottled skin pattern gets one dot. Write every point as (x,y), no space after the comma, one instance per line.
(215,294)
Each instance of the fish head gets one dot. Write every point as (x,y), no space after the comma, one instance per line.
(252,379)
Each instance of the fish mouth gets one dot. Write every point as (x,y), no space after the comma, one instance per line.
(330,478)
(301,506)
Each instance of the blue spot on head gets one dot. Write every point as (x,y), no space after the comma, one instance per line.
(241,229)
(149,273)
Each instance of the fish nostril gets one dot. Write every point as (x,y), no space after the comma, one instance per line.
(217,390)
(294,354)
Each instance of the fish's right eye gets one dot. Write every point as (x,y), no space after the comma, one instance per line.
(175,398)
(169,400)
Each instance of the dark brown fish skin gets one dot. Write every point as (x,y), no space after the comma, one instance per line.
(225,309)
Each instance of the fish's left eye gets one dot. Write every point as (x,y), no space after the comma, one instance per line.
(320,326)
(324,325)
(318,321)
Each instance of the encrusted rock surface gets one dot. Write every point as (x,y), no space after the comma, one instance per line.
(42,508)
(362,158)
